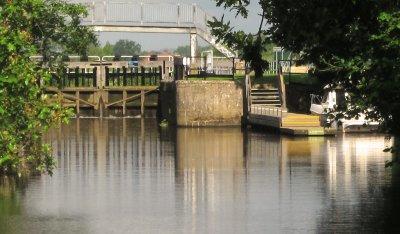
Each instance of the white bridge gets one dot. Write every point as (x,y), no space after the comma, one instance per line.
(147,17)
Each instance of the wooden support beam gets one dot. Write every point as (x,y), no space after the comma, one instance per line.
(77,104)
(282,88)
(101,106)
(142,99)
(136,96)
(124,95)
(67,96)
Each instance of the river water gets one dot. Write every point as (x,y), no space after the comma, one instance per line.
(131,176)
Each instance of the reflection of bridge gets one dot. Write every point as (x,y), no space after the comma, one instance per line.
(139,17)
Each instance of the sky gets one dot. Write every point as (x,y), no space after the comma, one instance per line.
(171,41)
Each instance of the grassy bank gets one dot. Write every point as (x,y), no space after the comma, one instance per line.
(304,79)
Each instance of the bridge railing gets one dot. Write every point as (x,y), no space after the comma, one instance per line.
(136,13)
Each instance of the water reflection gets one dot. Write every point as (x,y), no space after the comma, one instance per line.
(130,175)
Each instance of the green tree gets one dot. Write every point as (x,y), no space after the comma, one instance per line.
(354,44)
(183,51)
(97,50)
(52,29)
(127,47)
(251,47)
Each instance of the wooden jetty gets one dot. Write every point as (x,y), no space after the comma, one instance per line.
(288,123)
(267,107)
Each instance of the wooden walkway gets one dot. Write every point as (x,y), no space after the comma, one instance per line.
(287,123)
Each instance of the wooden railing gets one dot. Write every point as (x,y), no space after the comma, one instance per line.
(133,76)
(267,110)
(78,77)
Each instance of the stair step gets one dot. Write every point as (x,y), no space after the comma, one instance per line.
(301,119)
(269,89)
(265,93)
(269,93)
(268,105)
(265,98)
(300,125)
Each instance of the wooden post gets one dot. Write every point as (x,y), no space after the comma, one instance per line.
(94,75)
(160,74)
(131,75)
(163,70)
(107,76)
(143,71)
(77,77)
(124,76)
(154,75)
(282,88)
(101,103)
(84,78)
(233,68)
(142,99)
(118,76)
(124,96)
(137,76)
(77,103)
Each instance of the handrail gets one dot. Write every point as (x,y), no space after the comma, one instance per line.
(38,57)
(145,13)
(267,110)
(170,58)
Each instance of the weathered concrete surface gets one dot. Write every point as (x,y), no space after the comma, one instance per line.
(203,103)
(208,103)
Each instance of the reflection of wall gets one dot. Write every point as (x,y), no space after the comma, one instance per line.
(209,148)
(102,145)
(211,170)
(352,155)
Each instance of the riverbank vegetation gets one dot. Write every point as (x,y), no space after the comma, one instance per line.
(50,28)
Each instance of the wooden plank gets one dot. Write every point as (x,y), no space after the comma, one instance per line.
(142,99)
(77,104)
(67,96)
(136,96)
(124,96)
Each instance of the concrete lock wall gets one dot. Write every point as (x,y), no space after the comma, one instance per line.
(203,103)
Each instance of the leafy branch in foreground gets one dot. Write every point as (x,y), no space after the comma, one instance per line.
(50,28)
(250,47)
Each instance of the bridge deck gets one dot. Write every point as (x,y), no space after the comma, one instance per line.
(150,17)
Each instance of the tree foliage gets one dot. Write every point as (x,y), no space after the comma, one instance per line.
(354,44)
(127,47)
(121,47)
(96,50)
(250,47)
(52,29)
